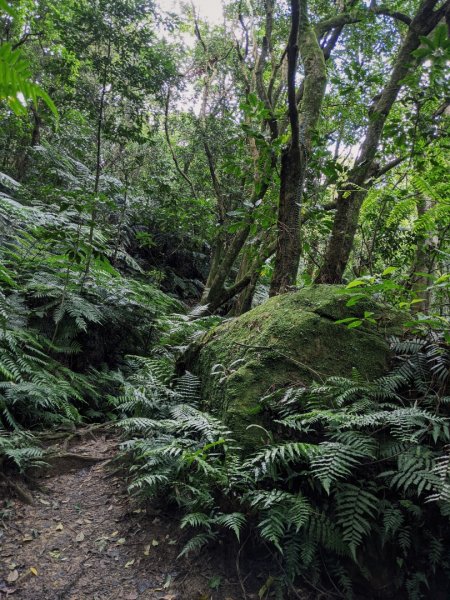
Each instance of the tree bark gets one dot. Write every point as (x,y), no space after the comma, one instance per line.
(98,163)
(352,195)
(23,161)
(251,265)
(216,293)
(423,261)
(302,121)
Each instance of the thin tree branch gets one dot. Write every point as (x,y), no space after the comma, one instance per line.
(171,148)
(356,16)
(25,38)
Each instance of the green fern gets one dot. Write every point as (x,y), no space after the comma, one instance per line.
(355,509)
(357,466)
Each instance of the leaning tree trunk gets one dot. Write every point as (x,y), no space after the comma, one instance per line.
(216,293)
(352,194)
(243,301)
(251,264)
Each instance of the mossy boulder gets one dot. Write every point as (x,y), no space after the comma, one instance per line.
(290,339)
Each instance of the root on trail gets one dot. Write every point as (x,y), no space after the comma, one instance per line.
(21,492)
(69,435)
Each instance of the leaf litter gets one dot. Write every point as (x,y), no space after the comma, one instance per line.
(86,539)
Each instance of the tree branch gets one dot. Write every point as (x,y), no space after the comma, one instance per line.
(395,14)
(356,16)
(235,289)
(325,208)
(26,37)
(383,169)
(172,151)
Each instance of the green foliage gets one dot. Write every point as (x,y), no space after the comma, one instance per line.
(34,386)
(63,306)
(358,478)
(121,194)
(19,450)
(16,84)
(389,288)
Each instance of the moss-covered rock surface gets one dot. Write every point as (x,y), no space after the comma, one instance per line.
(290,339)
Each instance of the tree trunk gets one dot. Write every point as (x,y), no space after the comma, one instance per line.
(23,160)
(251,265)
(216,293)
(288,241)
(352,195)
(423,262)
(243,301)
(98,164)
(302,121)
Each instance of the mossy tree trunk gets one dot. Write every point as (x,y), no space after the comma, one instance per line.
(424,258)
(251,265)
(24,158)
(302,121)
(228,246)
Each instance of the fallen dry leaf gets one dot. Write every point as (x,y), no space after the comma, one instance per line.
(12,576)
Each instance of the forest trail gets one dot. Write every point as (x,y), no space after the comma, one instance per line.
(84,538)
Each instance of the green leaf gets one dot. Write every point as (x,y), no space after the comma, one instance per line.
(425,40)
(443,278)
(354,300)
(4,6)
(422,53)
(440,38)
(355,283)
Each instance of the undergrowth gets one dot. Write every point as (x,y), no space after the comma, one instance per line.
(352,493)
(67,314)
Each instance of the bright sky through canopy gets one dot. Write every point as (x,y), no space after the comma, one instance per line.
(210,10)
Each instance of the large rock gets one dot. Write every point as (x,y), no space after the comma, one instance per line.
(290,339)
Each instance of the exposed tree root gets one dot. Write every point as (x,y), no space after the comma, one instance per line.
(71,434)
(74,456)
(63,462)
(21,492)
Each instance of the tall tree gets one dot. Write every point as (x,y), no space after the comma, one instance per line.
(303,121)
(353,192)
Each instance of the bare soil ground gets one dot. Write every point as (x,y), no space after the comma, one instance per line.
(83,538)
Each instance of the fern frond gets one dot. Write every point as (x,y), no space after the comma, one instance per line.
(356,508)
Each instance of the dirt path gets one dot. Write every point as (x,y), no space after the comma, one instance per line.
(84,539)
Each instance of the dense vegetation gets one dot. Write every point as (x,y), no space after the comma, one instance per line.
(159,174)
